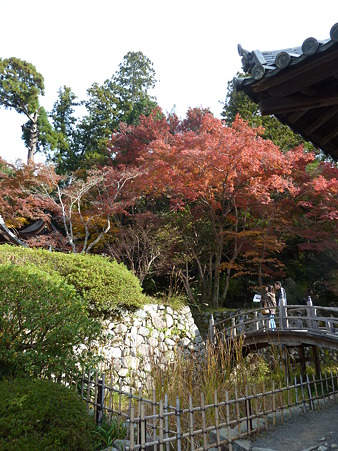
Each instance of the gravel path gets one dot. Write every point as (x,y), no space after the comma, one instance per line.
(313,430)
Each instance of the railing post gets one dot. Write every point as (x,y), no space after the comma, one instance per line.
(282,317)
(256,320)
(233,325)
(211,329)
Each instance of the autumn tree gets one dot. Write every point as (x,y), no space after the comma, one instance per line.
(24,189)
(85,206)
(220,173)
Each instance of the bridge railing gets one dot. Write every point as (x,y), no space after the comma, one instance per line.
(314,319)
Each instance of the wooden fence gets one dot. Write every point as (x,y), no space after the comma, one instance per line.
(163,423)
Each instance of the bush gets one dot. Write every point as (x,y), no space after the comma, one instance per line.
(43,323)
(105,285)
(41,415)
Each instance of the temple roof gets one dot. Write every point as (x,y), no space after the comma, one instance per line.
(299,86)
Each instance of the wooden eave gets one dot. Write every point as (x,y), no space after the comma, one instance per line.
(303,94)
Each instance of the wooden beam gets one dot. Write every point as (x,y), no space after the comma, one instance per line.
(316,359)
(294,117)
(280,105)
(329,136)
(323,118)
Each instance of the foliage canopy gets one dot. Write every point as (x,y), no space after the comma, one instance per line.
(42,415)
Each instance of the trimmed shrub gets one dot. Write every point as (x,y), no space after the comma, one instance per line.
(105,285)
(43,323)
(41,415)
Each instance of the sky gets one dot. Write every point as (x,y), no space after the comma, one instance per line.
(192,44)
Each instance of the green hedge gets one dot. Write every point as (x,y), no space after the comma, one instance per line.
(38,415)
(43,323)
(105,285)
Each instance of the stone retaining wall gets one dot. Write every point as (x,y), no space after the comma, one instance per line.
(152,335)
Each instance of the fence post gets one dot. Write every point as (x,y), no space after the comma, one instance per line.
(88,389)
(309,390)
(160,427)
(274,403)
(131,429)
(166,421)
(248,410)
(96,383)
(229,419)
(218,436)
(302,388)
(191,424)
(143,427)
(178,424)
(100,400)
(204,424)
(333,387)
(154,419)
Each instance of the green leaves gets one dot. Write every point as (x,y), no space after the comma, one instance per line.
(20,85)
(41,415)
(104,286)
(43,322)
(20,88)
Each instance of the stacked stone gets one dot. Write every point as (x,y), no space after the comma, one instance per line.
(149,336)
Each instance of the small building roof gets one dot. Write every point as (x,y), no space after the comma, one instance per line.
(299,86)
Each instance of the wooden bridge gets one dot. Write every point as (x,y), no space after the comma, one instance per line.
(295,326)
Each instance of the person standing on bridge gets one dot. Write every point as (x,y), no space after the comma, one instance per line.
(281,303)
(270,303)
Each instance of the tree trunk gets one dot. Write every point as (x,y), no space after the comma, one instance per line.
(33,139)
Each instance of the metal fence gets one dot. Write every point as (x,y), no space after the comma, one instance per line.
(163,424)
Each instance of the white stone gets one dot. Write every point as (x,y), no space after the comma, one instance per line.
(150,308)
(115,353)
(123,372)
(147,367)
(152,342)
(121,328)
(169,342)
(141,314)
(117,364)
(185,311)
(155,333)
(133,331)
(144,331)
(158,321)
(130,362)
(143,350)
(185,342)
(169,320)
(139,339)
